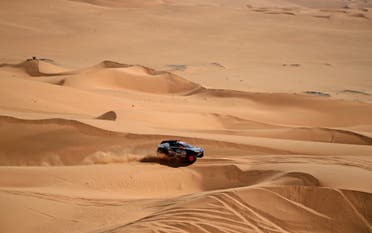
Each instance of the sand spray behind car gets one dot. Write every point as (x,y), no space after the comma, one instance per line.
(106,157)
(116,154)
(109,157)
(122,155)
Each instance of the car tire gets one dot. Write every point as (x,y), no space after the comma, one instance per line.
(190,158)
(162,151)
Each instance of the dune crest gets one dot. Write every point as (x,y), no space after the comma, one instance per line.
(123,3)
(116,76)
(109,75)
(38,67)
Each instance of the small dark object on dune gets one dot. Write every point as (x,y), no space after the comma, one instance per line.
(355,92)
(177,67)
(318,93)
(218,65)
(41,59)
(293,65)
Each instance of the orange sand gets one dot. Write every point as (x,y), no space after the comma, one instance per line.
(278,93)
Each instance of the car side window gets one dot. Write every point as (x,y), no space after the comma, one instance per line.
(180,145)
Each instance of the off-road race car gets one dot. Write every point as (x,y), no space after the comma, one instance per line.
(176,149)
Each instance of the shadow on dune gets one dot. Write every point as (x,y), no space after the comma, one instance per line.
(109,116)
(170,162)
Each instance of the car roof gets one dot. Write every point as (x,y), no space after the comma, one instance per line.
(169,141)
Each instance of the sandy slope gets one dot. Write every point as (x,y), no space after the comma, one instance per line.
(276,92)
(275,162)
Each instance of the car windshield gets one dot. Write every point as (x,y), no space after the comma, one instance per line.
(184,144)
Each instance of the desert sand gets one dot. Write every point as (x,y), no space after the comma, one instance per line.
(278,93)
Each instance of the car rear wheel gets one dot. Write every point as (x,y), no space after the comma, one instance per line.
(162,152)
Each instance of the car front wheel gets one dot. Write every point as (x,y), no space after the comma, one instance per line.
(191,158)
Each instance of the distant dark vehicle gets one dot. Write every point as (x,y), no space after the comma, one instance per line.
(179,150)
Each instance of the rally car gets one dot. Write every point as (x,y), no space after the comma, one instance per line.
(179,150)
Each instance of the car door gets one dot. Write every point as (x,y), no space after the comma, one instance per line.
(179,149)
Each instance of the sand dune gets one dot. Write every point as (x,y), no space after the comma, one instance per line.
(125,4)
(233,200)
(278,93)
(276,108)
(87,144)
(109,75)
(137,78)
(238,211)
(316,4)
(234,189)
(37,67)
